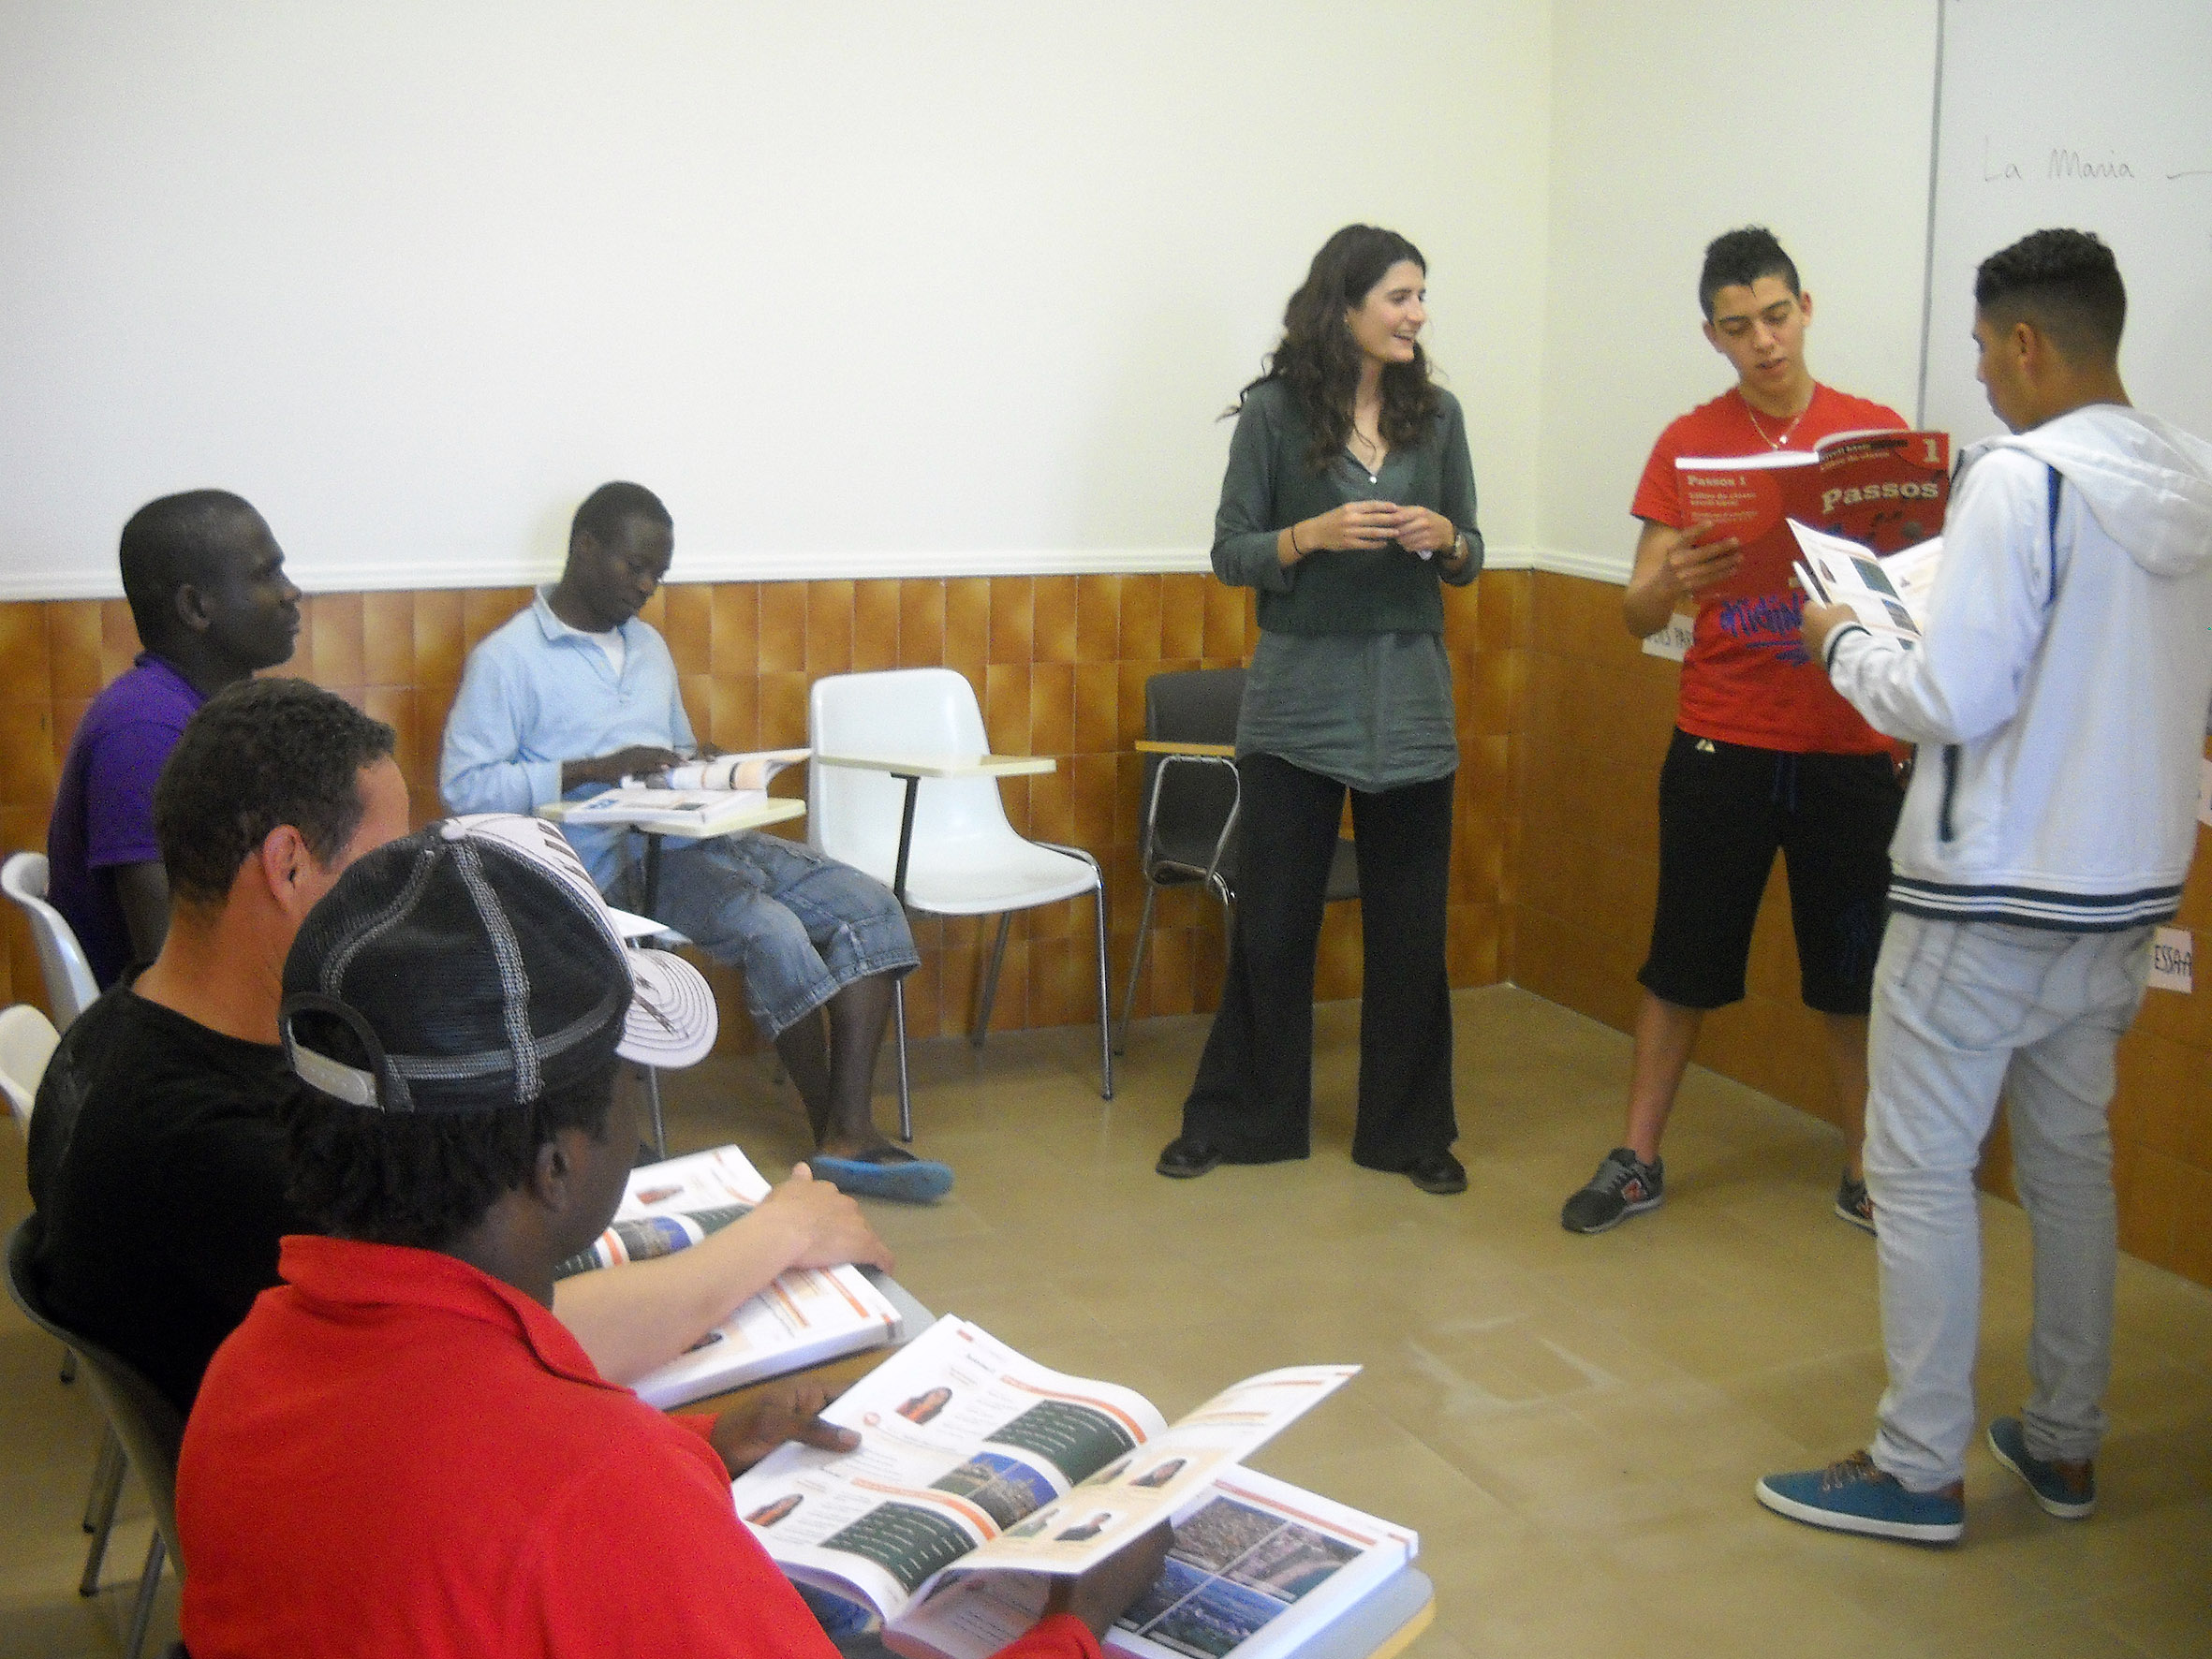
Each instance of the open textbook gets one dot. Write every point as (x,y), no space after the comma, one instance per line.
(973,1456)
(1885,491)
(694,795)
(1257,1570)
(809,1315)
(1889,594)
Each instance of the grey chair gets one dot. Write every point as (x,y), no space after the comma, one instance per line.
(151,1429)
(1191,801)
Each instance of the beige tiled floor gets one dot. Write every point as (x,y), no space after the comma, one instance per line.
(1573,1424)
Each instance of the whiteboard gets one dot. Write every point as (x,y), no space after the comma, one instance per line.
(868,289)
(2094,116)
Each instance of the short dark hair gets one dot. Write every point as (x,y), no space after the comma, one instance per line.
(608,507)
(1738,258)
(423,1178)
(168,543)
(263,752)
(2064,281)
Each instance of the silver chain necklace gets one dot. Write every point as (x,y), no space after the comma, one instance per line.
(1774,443)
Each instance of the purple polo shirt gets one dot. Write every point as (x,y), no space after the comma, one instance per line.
(103,811)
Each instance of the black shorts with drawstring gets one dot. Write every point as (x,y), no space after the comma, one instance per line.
(1725,808)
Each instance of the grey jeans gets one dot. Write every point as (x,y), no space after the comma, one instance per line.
(1964,1011)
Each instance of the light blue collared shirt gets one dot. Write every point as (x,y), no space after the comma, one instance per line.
(536,693)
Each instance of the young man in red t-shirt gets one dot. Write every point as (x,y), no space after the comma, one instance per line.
(1766,755)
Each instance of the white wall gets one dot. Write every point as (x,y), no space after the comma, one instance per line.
(1676,120)
(879,289)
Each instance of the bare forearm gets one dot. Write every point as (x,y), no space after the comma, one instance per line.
(640,1316)
(1650,601)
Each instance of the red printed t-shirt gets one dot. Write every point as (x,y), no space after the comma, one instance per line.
(398,1456)
(1747,678)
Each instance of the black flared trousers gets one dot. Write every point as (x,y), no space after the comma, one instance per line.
(1253,1097)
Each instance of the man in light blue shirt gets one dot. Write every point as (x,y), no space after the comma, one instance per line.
(574,694)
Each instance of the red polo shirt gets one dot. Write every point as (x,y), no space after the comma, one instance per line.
(1747,678)
(397,1455)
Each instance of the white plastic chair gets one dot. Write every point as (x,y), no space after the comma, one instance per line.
(69,984)
(71,989)
(965,859)
(27,1039)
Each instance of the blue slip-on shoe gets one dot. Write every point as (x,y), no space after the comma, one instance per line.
(1856,1496)
(2068,1490)
(911,1180)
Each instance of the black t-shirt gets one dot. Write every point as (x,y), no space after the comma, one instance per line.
(165,1197)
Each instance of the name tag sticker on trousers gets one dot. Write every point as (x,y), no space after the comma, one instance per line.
(2171,954)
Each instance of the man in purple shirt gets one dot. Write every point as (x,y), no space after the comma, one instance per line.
(207,589)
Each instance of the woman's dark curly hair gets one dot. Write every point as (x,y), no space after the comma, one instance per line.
(423,1178)
(1319,359)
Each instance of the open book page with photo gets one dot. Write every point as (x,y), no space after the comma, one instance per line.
(1258,1568)
(971,1453)
(1888,595)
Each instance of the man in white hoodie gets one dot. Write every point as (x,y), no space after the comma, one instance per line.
(2058,699)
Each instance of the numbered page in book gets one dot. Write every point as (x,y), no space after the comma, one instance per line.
(973,1453)
(1885,491)
(809,1315)
(1259,1569)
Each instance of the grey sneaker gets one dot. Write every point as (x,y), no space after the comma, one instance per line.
(1853,1203)
(1624,1186)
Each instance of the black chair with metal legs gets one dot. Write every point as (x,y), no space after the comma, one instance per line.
(1191,800)
(151,1430)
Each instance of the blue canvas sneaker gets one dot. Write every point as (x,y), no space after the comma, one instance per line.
(2065,1489)
(1856,1496)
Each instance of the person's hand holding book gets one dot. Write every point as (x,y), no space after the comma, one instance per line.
(1693,563)
(635,761)
(1818,622)
(772,1414)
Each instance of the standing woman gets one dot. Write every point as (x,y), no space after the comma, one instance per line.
(1350,500)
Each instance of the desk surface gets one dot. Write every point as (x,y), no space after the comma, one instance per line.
(775,810)
(944,766)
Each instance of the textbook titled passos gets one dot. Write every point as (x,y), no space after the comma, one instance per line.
(1885,491)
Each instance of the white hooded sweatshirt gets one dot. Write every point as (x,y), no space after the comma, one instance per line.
(2060,692)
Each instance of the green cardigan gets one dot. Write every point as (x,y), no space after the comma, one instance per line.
(1269,485)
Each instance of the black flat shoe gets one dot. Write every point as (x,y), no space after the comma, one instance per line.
(1436,1172)
(1187,1156)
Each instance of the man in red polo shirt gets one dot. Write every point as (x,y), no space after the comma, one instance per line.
(401,1452)
(1766,755)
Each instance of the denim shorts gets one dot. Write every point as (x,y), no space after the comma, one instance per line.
(801,927)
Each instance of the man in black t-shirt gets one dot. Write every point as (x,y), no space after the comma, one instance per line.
(155,1156)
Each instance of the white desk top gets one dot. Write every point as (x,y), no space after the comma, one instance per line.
(944,766)
(775,810)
